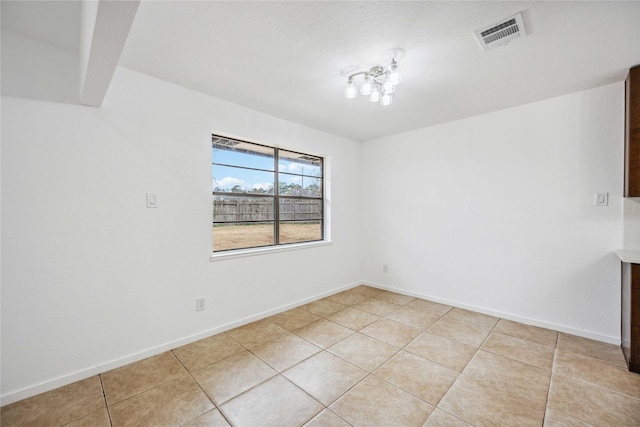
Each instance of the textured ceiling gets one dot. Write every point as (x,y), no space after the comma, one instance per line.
(287,58)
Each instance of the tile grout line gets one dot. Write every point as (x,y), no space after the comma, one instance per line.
(457,416)
(551,375)
(295,364)
(280,373)
(305,392)
(598,386)
(426,330)
(147,389)
(555,355)
(328,320)
(407,391)
(553,367)
(104,396)
(576,418)
(217,361)
(203,390)
(599,360)
(332,354)
(368,374)
(549,392)
(478,349)
(517,360)
(506,357)
(312,343)
(338,324)
(403,348)
(247,349)
(465,367)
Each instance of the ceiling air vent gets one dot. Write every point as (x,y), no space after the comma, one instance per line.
(501,33)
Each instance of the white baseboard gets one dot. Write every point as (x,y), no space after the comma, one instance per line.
(49,385)
(508,316)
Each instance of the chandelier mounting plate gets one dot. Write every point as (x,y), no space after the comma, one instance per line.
(376,71)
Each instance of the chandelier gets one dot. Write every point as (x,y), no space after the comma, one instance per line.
(378,83)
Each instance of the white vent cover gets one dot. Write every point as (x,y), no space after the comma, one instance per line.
(501,33)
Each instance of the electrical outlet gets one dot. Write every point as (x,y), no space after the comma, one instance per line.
(385,268)
(200,304)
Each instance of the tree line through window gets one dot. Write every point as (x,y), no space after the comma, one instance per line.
(248,211)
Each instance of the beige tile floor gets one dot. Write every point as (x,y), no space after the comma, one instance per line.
(363,357)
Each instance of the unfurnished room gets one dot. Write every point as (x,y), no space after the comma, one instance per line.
(320,213)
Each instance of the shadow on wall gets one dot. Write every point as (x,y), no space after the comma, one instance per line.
(35,70)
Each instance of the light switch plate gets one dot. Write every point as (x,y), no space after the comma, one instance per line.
(152,200)
(602,199)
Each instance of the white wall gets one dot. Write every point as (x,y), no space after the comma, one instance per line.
(496,212)
(91,278)
(34,70)
(496,215)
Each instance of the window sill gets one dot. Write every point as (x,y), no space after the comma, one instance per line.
(240,253)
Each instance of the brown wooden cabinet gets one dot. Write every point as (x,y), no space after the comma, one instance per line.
(632,134)
(631,315)
(631,272)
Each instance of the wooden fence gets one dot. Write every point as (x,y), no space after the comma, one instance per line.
(234,210)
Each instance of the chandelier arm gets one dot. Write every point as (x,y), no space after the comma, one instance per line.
(379,82)
(357,74)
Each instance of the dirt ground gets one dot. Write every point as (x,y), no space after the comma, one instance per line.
(242,236)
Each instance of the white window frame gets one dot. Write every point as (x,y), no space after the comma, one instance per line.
(326,220)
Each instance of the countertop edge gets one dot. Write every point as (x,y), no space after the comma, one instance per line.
(630,256)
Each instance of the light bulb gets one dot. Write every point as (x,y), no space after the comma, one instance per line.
(394,73)
(366,86)
(375,94)
(387,87)
(351,91)
(386,99)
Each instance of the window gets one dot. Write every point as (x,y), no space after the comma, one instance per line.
(248,212)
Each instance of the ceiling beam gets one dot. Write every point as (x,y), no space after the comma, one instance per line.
(104,31)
